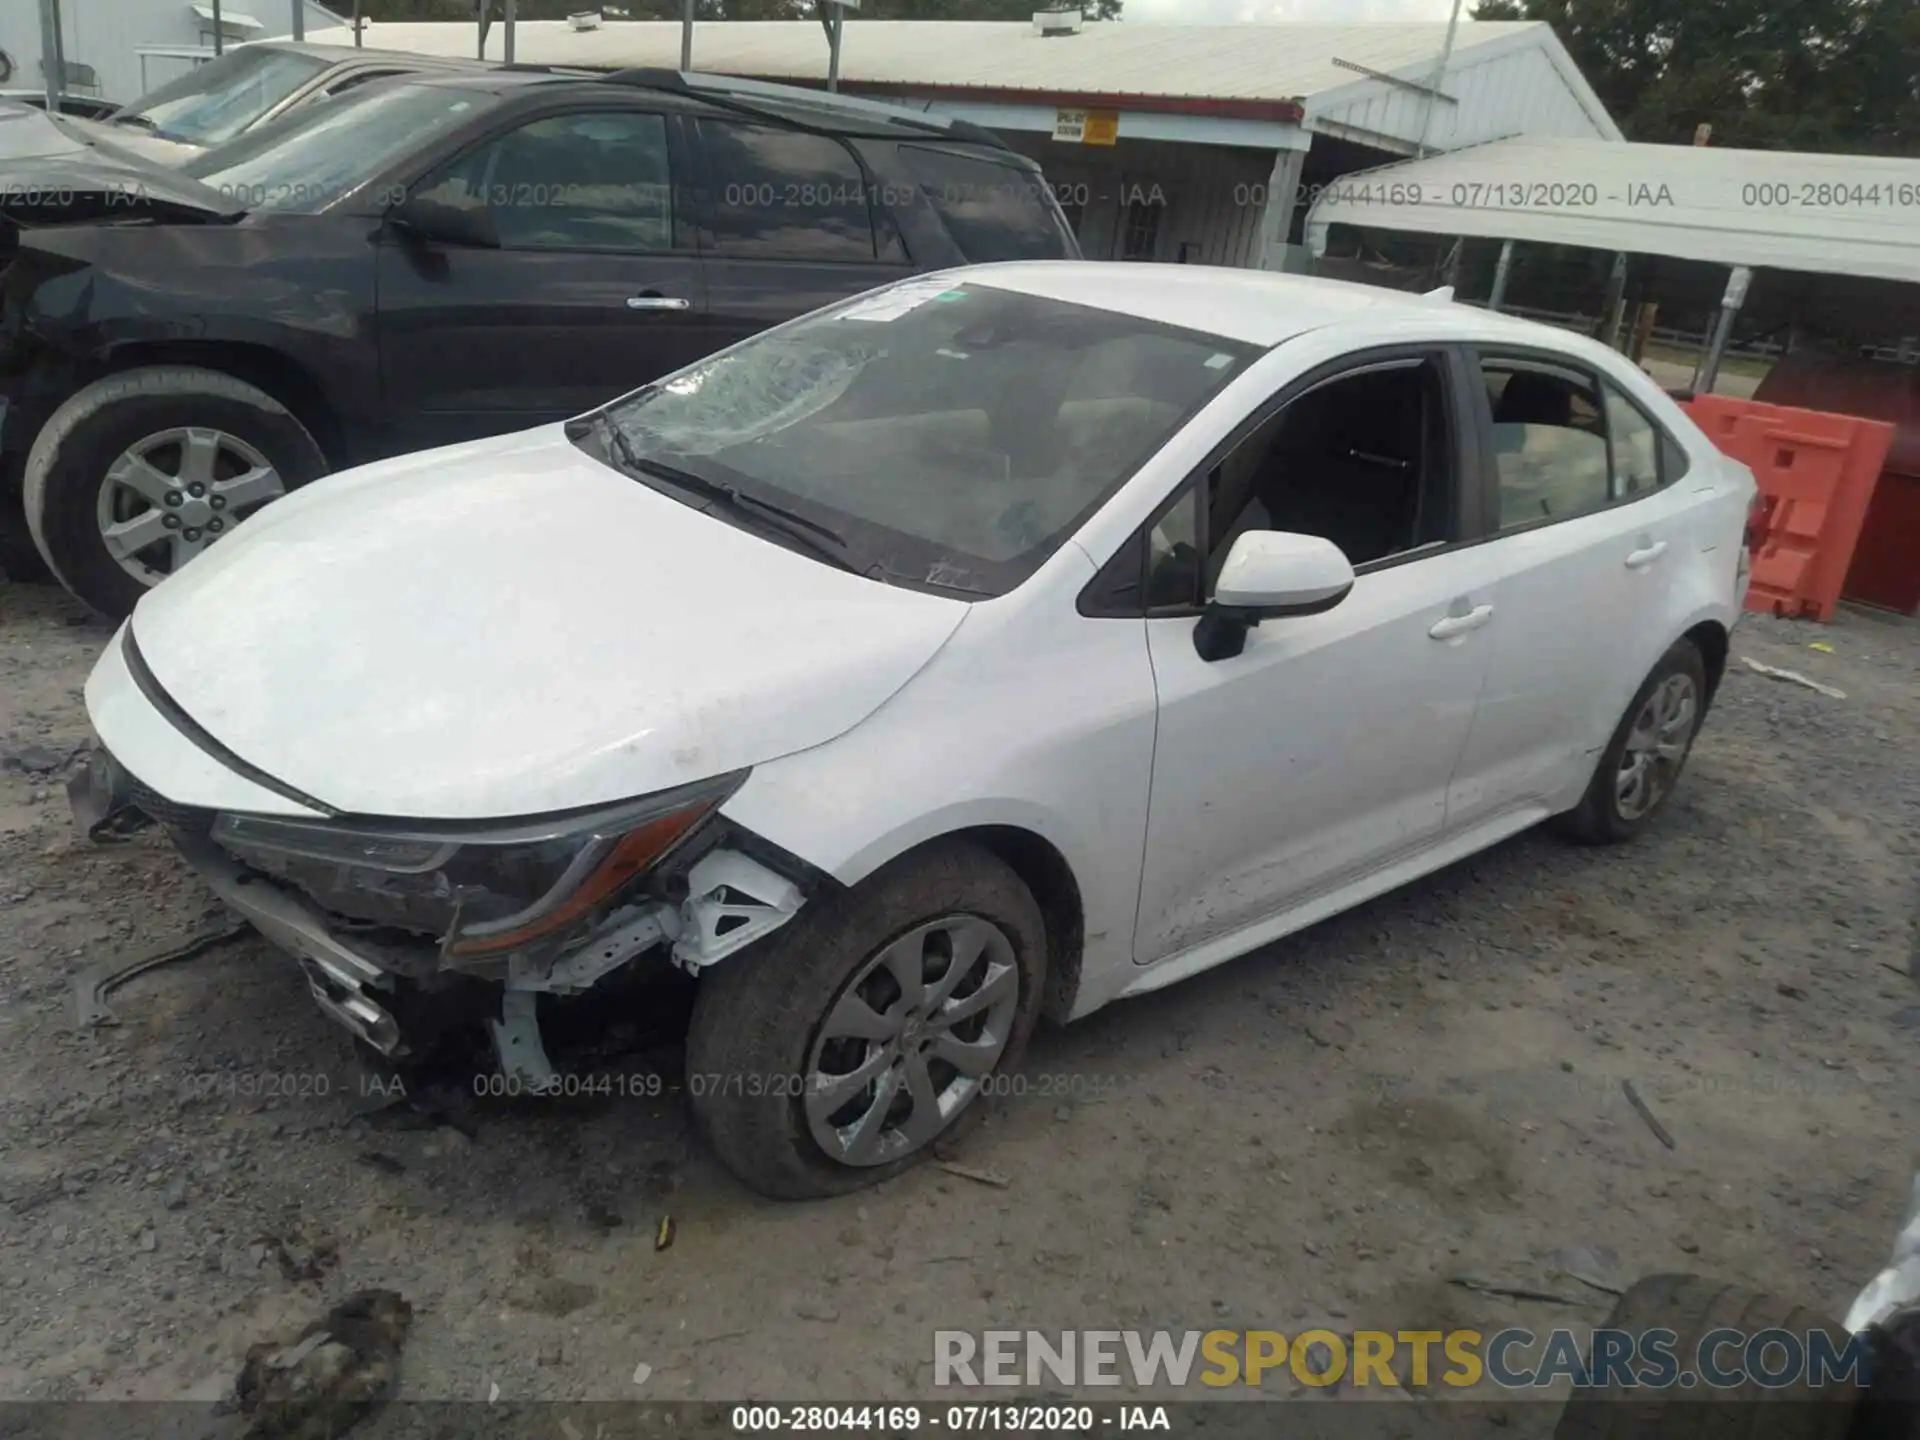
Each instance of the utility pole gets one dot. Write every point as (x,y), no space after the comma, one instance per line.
(686,36)
(1439,74)
(53,57)
(219,32)
(833,44)
(299,19)
(507,51)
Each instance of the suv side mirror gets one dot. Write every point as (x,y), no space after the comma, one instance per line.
(422,218)
(1268,575)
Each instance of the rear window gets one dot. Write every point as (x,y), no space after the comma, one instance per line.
(992,210)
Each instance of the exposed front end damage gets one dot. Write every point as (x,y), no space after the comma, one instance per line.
(404,932)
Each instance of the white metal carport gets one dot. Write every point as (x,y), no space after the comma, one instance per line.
(1821,215)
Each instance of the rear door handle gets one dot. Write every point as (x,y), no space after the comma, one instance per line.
(1454,625)
(658,302)
(1646,555)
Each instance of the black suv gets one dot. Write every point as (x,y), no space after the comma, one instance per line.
(433,259)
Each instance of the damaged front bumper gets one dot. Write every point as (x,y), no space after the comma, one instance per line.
(358,973)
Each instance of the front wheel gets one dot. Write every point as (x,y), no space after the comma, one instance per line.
(140,471)
(835,1053)
(1649,748)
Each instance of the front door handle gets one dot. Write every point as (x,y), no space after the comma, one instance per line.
(658,302)
(1646,555)
(1454,625)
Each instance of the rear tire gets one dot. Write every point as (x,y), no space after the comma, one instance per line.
(761,1043)
(1607,813)
(67,490)
(1691,1307)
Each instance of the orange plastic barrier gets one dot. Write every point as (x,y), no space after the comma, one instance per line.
(1817,473)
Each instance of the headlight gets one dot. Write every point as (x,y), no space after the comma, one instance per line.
(484,889)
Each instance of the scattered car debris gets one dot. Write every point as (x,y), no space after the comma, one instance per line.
(1791,992)
(643,1371)
(1792,677)
(300,1260)
(1593,1268)
(663,1237)
(979,1177)
(1514,1292)
(1822,646)
(1898,1286)
(90,986)
(1660,1132)
(338,1370)
(384,1163)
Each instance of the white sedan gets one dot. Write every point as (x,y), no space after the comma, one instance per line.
(991,646)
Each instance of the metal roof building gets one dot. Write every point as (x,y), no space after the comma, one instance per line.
(1170,142)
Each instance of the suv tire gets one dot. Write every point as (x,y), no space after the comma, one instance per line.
(68,467)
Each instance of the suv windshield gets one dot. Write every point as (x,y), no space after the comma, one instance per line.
(946,435)
(303,162)
(217,100)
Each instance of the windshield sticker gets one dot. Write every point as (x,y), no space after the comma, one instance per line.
(1219,362)
(903,298)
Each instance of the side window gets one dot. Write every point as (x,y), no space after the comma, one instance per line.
(992,211)
(1365,460)
(1549,441)
(786,194)
(1173,554)
(1636,447)
(598,180)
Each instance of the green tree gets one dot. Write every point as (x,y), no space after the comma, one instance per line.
(1838,75)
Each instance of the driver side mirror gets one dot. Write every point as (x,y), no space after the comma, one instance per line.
(1269,575)
(420,217)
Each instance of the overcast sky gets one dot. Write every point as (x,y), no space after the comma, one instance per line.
(1195,12)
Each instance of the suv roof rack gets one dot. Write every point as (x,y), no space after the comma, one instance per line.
(735,93)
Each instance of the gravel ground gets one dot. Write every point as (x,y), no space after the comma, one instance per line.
(1328,1131)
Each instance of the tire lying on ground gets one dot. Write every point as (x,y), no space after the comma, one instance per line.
(1692,1307)
(139,471)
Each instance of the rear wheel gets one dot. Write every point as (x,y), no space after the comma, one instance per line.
(137,473)
(838,1051)
(1642,762)
(1691,1307)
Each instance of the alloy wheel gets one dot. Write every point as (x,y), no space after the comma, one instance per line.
(170,495)
(1656,746)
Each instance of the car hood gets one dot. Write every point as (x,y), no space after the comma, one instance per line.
(63,171)
(507,628)
(135,141)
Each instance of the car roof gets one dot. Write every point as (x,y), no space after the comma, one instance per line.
(1255,307)
(847,116)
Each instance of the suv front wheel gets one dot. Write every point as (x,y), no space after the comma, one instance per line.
(835,1053)
(140,471)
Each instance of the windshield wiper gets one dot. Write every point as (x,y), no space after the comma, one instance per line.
(141,122)
(822,540)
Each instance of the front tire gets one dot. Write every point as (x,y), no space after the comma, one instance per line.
(136,473)
(834,1054)
(1642,762)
